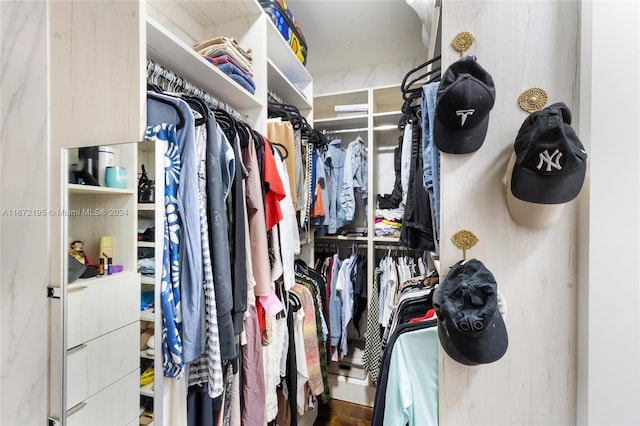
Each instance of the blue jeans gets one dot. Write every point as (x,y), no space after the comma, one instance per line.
(430,154)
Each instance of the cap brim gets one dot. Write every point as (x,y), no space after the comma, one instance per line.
(531,215)
(483,348)
(557,189)
(466,141)
(448,346)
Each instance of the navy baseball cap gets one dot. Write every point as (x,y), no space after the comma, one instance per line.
(470,327)
(466,95)
(551,162)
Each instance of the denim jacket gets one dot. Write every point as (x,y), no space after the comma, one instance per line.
(334,159)
(355,177)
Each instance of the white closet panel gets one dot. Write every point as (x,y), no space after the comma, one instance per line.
(522,45)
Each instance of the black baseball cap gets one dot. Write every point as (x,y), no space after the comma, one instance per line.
(466,95)
(551,162)
(470,327)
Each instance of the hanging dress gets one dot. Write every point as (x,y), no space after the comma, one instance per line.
(173,365)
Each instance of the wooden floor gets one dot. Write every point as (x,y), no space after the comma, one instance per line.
(341,413)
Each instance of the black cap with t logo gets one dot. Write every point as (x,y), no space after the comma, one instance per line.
(466,95)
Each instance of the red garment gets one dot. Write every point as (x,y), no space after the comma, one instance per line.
(318,204)
(274,188)
(430,314)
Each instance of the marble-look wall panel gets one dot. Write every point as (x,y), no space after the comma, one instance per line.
(24,246)
(360,78)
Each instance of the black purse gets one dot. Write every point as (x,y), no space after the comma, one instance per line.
(146,188)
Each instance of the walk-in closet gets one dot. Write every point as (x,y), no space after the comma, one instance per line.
(279,213)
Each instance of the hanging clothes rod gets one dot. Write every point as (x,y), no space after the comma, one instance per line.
(156,74)
(395,247)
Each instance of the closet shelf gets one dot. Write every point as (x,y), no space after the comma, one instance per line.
(279,52)
(147,390)
(74,188)
(289,92)
(341,123)
(146,244)
(144,354)
(142,207)
(386,240)
(147,280)
(147,315)
(391,118)
(209,13)
(81,283)
(167,50)
(334,238)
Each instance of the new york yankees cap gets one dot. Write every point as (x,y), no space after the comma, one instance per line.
(470,326)
(466,95)
(551,162)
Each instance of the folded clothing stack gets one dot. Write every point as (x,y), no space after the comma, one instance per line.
(230,58)
(388,222)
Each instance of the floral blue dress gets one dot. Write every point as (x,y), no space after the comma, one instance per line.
(173,365)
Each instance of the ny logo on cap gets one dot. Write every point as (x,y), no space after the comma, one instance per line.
(552,160)
(463,114)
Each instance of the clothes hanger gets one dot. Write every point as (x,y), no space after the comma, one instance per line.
(226,122)
(403,85)
(408,91)
(280,148)
(181,122)
(198,106)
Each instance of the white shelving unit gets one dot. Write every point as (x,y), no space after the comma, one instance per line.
(379,128)
(172,27)
(106,105)
(150,317)
(101,312)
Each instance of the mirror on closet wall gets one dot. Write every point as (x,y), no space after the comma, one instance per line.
(101,291)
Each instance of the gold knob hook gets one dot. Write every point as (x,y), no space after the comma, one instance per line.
(464,240)
(462,42)
(532,100)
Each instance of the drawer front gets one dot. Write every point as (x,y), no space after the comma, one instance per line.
(77,383)
(101,305)
(100,362)
(115,405)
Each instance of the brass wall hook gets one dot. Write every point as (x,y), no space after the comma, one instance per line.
(464,240)
(462,42)
(532,100)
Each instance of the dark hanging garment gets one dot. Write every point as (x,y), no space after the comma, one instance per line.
(219,244)
(202,410)
(359,292)
(237,238)
(417,226)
